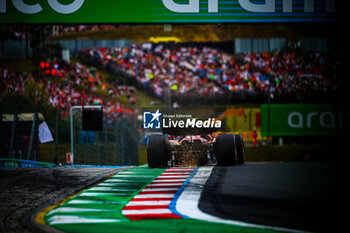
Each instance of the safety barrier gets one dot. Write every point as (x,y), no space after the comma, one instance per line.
(19,163)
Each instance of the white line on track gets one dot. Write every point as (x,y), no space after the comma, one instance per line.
(136,176)
(160,189)
(164,184)
(77,209)
(187,204)
(73,219)
(93,194)
(179,176)
(165,195)
(114,180)
(166,181)
(179,170)
(131,172)
(176,173)
(111,189)
(74,201)
(147,211)
(148,203)
(114,184)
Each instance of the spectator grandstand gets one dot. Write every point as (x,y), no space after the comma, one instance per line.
(66,85)
(207,75)
(191,74)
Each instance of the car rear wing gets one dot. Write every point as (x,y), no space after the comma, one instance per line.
(188,131)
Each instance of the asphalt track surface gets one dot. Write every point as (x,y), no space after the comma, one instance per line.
(301,196)
(25,192)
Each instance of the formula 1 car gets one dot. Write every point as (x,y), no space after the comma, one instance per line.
(194,147)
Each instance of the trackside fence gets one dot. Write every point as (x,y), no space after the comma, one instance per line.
(116,144)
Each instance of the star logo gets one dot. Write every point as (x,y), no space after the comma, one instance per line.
(156,115)
(151,120)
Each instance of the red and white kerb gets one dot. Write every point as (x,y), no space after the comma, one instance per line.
(154,200)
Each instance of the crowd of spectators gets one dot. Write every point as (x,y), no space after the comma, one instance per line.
(187,73)
(63,29)
(209,74)
(67,85)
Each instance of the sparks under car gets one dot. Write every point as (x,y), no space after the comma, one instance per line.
(194,147)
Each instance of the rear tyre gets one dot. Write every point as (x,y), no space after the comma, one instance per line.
(239,147)
(225,150)
(157,155)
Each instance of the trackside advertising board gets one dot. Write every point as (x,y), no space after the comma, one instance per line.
(304,119)
(167,11)
(19,163)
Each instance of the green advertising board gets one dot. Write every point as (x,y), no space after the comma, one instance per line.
(167,11)
(304,119)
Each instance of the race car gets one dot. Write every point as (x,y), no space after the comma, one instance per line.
(194,147)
